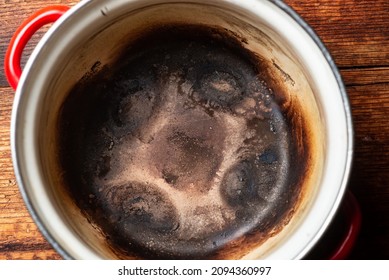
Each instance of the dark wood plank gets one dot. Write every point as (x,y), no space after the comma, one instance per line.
(370,175)
(19,236)
(365,76)
(355,31)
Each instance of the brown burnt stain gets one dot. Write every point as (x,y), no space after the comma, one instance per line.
(188,148)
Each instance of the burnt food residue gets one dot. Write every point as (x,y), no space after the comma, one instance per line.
(181,150)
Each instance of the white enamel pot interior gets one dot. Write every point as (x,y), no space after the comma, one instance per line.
(96,31)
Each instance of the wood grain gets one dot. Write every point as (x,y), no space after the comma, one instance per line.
(19,236)
(357,34)
(355,31)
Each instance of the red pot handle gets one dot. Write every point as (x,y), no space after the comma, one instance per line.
(21,37)
(352,213)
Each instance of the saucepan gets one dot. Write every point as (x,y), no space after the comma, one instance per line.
(181,129)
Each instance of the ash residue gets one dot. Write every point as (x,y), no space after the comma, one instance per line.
(171,152)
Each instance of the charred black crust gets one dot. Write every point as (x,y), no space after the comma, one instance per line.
(110,106)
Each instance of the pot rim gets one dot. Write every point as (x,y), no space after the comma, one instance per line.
(24,185)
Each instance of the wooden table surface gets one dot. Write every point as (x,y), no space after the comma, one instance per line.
(357,34)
